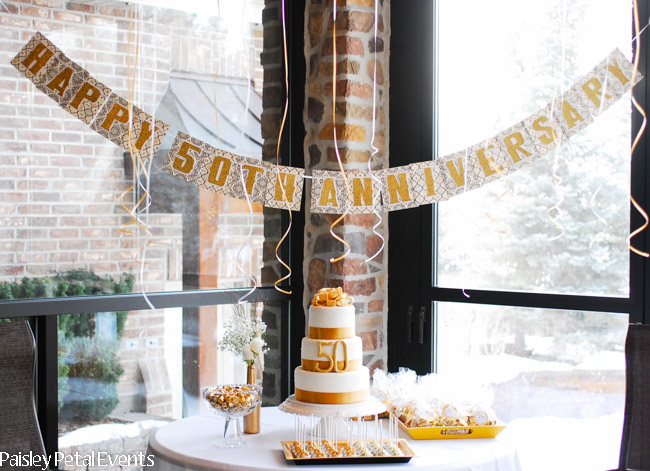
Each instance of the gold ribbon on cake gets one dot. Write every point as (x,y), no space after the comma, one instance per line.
(332,297)
(331,333)
(331,398)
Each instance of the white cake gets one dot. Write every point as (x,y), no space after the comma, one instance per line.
(331,370)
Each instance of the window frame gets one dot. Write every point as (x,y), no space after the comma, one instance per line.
(43,312)
(412,300)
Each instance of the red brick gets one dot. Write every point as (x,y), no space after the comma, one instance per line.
(35,12)
(345,45)
(9,8)
(369,340)
(34,209)
(363,287)
(349,266)
(15,21)
(80,7)
(376,306)
(49,3)
(64,257)
(64,233)
(373,244)
(41,25)
(316,275)
(112,12)
(68,17)
(354,21)
(349,88)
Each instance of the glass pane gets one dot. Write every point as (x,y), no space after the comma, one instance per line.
(126,374)
(558,378)
(67,192)
(561,224)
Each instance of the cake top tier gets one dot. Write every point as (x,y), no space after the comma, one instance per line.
(332,297)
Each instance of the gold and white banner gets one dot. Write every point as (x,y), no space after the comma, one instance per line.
(438,180)
(200,164)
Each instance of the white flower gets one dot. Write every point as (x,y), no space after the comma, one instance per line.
(247,353)
(257,345)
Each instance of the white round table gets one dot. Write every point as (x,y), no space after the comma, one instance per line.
(188,444)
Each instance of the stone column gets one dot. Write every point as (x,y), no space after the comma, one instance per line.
(273,99)
(357,49)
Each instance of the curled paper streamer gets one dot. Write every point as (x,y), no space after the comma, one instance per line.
(248,238)
(592,205)
(557,181)
(241,174)
(375,150)
(346,252)
(139,167)
(637,138)
(277,159)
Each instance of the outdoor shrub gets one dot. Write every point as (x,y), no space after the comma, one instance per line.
(93,372)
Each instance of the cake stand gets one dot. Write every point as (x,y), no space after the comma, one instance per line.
(372,406)
(333,415)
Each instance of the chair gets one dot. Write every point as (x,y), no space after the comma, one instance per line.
(635,445)
(19,430)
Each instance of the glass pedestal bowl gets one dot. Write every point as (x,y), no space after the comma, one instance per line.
(232,401)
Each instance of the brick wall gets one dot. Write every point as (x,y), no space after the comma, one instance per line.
(366,281)
(61,182)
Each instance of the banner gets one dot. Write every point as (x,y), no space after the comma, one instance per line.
(235,176)
(87,99)
(358,192)
(438,180)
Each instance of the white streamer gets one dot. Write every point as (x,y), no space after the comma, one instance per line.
(375,150)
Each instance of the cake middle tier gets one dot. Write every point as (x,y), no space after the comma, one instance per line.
(331,355)
(331,322)
(348,387)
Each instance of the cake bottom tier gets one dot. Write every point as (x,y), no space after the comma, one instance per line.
(347,387)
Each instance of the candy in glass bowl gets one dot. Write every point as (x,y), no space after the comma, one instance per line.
(232,401)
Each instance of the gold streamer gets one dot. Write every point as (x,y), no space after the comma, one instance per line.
(637,138)
(136,158)
(277,159)
(346,252)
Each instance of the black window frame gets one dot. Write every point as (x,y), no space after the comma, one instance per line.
(42,312)
(412,289)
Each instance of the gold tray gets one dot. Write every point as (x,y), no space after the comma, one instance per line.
(402,444)
(436,433)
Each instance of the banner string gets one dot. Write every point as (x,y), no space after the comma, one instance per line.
(277,158)
(637,138)
(247,242)
(347,249)
(375,149)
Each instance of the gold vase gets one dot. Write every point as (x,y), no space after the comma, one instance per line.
(252,420)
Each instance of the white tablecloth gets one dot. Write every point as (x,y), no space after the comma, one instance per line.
(188,444)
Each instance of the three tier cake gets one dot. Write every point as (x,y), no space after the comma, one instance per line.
(331,370)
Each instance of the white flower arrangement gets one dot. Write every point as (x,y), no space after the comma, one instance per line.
(244,335)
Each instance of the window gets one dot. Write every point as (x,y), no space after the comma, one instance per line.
(527,283)
(68,238)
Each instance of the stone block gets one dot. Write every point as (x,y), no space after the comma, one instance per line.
(345,45)
(316,274)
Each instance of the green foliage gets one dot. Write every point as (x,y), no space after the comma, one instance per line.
(94,370)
